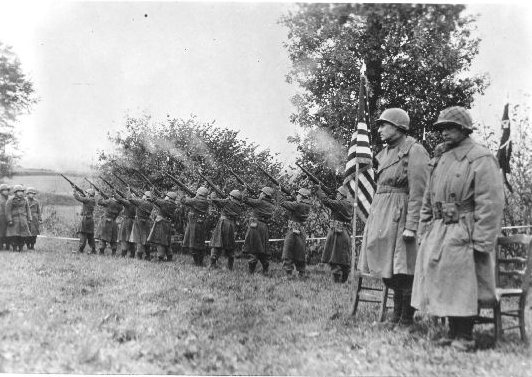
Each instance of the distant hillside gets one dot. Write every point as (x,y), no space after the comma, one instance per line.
(19,171)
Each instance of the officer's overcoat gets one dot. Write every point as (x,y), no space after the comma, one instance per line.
(87,212)
(18,212)
(108,228)
(35,208)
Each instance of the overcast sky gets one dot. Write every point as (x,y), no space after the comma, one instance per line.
(92,63)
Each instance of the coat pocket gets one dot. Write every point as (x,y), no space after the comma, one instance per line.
(397,214)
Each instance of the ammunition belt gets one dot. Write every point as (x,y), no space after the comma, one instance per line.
(450,212)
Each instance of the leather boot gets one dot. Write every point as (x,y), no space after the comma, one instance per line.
(251,267)
(397,305)
(230,263)
(212,265)
(337,278)
(407,312)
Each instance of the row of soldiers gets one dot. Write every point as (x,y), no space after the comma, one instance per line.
(20,217)
(147,223)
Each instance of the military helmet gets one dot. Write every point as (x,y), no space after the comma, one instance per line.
(268,191)
(455,115)
(202,191)
(304,192)
(395,116)
(91,191)
(31,190)
(236,194)
(171,194)
(3,187)
(18,188)
(343,190)
(147,194)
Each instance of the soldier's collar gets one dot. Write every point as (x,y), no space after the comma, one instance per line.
(462,149)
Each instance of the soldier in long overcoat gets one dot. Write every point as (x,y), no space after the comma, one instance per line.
(86,226)
(337,250)
(223,236)
(460,221)
(36,217)
(294,242)
(161,231)
(389,245)
(18,218)
(4,195)
(107,231)
(257,234)
(195,232)
(126,226)
(142,225)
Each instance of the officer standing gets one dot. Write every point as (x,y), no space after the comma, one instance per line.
(126,227)
(107,231)
(86,227)
(36,218)
(142,225)
(337,251)
(294,243)
(389,245)
(4,195)
(18,218)
(161,231)
(195,232)
(257,234)
(460,221)
(223,237)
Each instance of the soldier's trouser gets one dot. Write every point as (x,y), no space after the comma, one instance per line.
(340,272)
(143,250)
(461,327)
(197,255)
(164,252)
(289,263)
(126,246)
(102,244)
(83,238)
(264,260)
(216,253)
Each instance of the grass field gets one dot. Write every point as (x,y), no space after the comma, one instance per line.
(71,313)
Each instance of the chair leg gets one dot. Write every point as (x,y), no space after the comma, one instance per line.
(384,299)
(358,284)
(497,321)
(522,329)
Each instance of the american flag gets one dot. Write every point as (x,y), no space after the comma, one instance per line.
(505,149)
(360,151)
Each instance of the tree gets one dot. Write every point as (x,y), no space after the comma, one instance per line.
(16,97)
(417,57)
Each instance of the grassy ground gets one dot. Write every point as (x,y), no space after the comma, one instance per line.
(63,312)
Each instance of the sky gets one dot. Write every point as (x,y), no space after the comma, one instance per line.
(94,63)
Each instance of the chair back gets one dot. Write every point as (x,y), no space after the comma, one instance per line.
(514,261)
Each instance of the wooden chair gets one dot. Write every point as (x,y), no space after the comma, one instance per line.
(377,293)
(513,269)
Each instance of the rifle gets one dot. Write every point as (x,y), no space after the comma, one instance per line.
(74,186)
(180,184)
(157,192)
(316,180)
(219,192)
(136,192)
(103,194)
(243,183)
(275,181)
(113,188)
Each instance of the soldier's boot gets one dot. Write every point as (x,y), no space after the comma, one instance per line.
(337,278)
(230,263)
(212,264)
(200,260)
(251,267)
(407,311)
(113,252)
(265,268)
(132,251)
(102,251)
(169,257)
(397,305)
(123,253)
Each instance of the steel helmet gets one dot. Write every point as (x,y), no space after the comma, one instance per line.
(455,115)
(91,191)
(236,194)
(202,191)
(342,190)
(3,187)
(304,192)
(268,191)
(395,116)
(171,194)
(147,194)
(31,190)
(18,188)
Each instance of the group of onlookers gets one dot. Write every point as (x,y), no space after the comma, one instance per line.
(20,217)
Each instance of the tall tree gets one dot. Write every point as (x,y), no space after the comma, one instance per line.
(417,57)
(16,97)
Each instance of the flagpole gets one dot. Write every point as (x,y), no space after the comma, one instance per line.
(354,259)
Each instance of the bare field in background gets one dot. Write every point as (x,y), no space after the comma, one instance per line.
(52,184)
(72,313)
